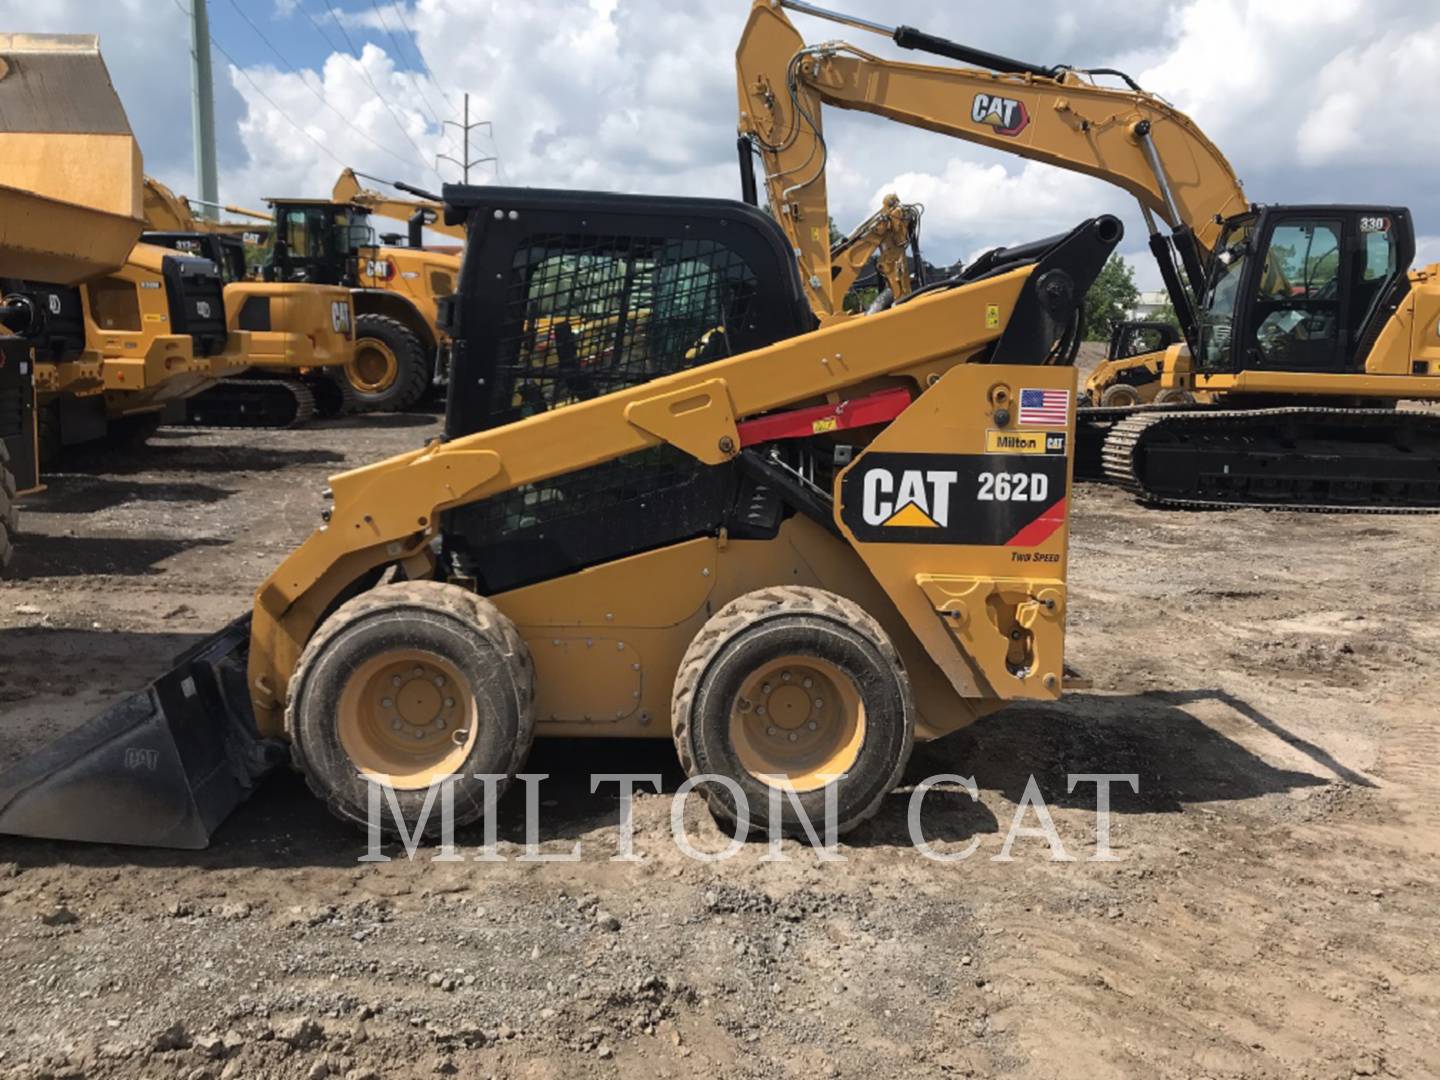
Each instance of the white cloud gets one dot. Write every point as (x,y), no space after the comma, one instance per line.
(1311,102)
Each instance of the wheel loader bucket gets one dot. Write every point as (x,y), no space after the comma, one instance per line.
(161,768)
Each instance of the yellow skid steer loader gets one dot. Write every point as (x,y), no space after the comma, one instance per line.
(665,504)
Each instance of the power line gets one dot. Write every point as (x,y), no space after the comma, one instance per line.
(266,97)
(371,83)
(314,92)
(420,55)
(400,59)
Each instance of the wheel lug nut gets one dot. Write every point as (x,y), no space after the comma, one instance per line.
(418,671)
(793,736)
(819,703)
(449,702)
(770,731)
(395,681)
(760,710)
(785,675)
(396,723)
(765,688)
(440,723)
(419,734)
(388,703)
(808,683)
(812,725)
(439,680)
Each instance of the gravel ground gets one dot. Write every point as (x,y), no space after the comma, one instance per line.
(1271,678)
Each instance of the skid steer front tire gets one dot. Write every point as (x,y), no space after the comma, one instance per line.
(389,372)
(797,690)
(409,684)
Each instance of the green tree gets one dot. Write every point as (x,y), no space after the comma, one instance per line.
(1113,294)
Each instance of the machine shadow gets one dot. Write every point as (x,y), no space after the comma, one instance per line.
(1178,758)
(381,421)
(76,556)
(79,493)
(166,455)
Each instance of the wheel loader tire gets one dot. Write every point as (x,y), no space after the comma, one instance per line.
(390,371)
(415,681)
(9,512)
(801,685)
(1119,396)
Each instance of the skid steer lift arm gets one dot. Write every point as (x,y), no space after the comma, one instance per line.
(1056,115)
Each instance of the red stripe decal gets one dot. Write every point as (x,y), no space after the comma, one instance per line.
(1041,529)
(878,408)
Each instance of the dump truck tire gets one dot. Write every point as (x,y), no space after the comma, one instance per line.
(1120,395)
(9,512)
(416,681)
(389,372)
(799,684)
(133,432)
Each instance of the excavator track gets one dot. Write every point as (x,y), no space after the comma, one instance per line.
(1314,460)
(251,403)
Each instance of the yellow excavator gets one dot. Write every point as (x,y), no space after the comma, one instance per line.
(1303,326)
(300,335)
(792,549)
(401,350)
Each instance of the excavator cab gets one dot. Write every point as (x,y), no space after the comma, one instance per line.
(1303,288)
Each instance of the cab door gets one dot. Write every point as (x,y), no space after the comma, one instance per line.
(1297,313)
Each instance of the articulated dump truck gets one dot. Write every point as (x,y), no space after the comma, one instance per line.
(666,504)
(69,213)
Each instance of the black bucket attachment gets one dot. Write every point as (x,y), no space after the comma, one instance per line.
(162,768)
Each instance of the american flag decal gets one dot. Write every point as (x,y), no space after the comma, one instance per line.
(1046,408)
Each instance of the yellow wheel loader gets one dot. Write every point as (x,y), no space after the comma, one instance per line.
(792,550)
(401,349)
(1303,326)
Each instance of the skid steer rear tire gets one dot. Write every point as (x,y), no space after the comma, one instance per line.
(351,698)
(805,634)
(9,512)
(407,372)
(1120,395)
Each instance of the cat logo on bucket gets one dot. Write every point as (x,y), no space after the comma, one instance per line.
(1006,115)
(916,499)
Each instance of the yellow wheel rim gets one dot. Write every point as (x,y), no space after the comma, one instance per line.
(798,723)
(408,716)
(374,368)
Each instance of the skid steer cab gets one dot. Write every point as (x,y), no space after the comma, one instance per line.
(665,506)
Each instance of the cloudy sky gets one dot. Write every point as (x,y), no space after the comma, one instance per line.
(1318,101)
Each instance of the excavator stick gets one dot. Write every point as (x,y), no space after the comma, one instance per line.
(160,768)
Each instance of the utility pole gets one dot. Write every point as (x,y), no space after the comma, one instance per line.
(202,109)
(465,129)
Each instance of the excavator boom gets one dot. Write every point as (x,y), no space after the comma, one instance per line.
(1058,115)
